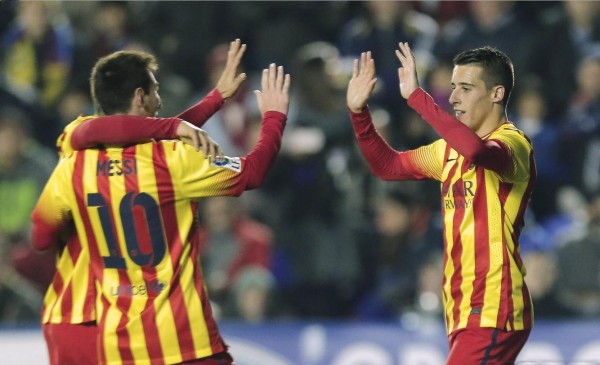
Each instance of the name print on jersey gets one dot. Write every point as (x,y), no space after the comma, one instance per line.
(458,195)
(116,167)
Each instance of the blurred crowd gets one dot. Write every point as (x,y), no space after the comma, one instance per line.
(323,238)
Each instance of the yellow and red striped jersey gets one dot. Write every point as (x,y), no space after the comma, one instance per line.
(70,297)
(133,209)
(483,213)
(483,271)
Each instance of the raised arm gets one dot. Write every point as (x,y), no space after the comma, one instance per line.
(273,103)
(384,162)
(125,129)
(489,154)
(228,84)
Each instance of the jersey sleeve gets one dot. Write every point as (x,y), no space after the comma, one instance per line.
(485,153)
(520,152)
(120,129)
(198,177)
(52,212)
(388,164)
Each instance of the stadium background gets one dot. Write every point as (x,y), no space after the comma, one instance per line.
(349,265)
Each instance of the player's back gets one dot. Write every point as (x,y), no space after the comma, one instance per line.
(134,212)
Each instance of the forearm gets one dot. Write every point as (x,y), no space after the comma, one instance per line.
(262,156)
(384,162)
(203,110)
(488,154)
(122,129)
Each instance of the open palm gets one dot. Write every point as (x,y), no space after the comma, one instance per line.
(362,83)
(407,74)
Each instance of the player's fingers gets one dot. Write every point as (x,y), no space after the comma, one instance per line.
(286,84)
(195,141)
(272,75)
(204,140)
(233,50)
(363,57)
(264,79)
(211,149)
(279,79)
(240,54)
(355,68)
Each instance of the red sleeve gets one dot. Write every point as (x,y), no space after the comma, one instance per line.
(122,129)
(200,112)
(385,162)
(490,154)
(44,236)
(262,156)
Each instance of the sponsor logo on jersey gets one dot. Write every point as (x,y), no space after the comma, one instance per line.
(231,163)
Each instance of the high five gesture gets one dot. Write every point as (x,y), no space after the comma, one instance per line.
(407,74)
(362,83)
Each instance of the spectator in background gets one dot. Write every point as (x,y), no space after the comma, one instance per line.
(490,23)
(37,53)
(552,160)
(378,27)
(24,167)
(36,59)
(582,129)
(542,278)
(307,189)
(399,252)
(253,294)
(579,265)
(115,28)
(231,126)
(571,29)
(233,246)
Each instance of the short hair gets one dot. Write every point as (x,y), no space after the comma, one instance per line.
(115,78)
(497,68)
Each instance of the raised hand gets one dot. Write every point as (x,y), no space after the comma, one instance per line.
(407,74)
(362,83)
(275,86)
(230,81)
(199,139)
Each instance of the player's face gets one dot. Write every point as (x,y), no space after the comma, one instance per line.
(152,102)
(471,100)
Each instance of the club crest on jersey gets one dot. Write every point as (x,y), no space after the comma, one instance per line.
(231,163)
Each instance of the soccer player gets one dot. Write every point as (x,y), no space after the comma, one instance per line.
(69,313)
(487,172)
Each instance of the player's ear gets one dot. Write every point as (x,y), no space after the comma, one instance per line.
(498,93)
(138,97)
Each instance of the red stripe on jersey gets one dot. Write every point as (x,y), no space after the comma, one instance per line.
(216,343)
(482,243)
(445,187)
(456,253)
(505,312)
(101,348)
(148,316)
(124,301)
(78,185)
(58,285)
(166,196)
(89,306)
(527,310)
(73,249)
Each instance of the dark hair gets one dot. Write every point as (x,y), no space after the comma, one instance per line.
(497,68)
(115,78)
